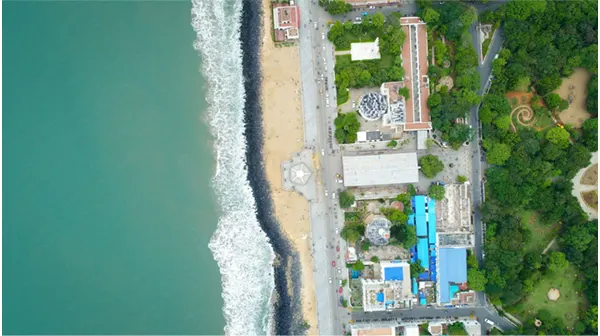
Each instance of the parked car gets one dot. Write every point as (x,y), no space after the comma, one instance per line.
(333,263)
(330,281)
(322,36)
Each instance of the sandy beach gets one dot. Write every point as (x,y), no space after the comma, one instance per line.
(284,135)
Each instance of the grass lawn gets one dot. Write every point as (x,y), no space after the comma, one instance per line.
(364,37)
(541,234)
(541,123)
(566,307)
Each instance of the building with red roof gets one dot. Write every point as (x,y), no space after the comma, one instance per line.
(286,22)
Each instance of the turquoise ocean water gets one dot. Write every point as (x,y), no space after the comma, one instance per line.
(107,163)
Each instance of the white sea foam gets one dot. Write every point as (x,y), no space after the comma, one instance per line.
(240,247)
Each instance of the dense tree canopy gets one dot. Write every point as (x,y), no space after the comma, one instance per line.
(346,126)
(346,199)
(437,192)
(544,42)
(430,165)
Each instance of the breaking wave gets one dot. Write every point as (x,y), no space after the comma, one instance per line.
(239,245)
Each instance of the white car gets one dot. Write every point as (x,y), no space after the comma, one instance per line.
(354,104)
(327,101)
(333,195)
(323,48)
(337,230)
(326,193)
(339,270)
(322,36)
(325,68)
(322,152)
(330,281)
(327,95)
(358,19)
(496,57)
(489,322)
(315,25)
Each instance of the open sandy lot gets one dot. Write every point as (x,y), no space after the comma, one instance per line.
(284,135)
(576,114)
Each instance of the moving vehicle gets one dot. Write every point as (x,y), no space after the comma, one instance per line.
(339,270)
(337,231)
(337,248)
(333,263)
(326,193)
(330,281)
(489,322)
(322,152)
(333,195)
(315,25)
(322,36)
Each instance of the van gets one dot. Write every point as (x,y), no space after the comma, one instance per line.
(489,322)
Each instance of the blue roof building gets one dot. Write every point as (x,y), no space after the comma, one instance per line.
(453,270)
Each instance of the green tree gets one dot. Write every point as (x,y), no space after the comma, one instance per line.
(437,192)
(352,232)
(336,31)
(558,136)
(557,262)
(404,92)
(591,318)
(394,215)
(429,15)
(468,17)
(590,134)
(377,20)
(555,102)
(336,7)
(430,165)
(346,126)
(358,266)
(496,153)
(346,199)
(476,279)
(461,179)
(457,328)
(434,100)
(392,144)
(403,235)
(416,269)
(502,122)
(365,245)
(375,259)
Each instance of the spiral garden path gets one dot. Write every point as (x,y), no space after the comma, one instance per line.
(524,115)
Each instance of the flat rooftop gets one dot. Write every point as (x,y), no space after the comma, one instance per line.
(453,219)
(383,169)
(365,51)
(415,64)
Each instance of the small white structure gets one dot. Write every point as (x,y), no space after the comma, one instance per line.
(365,50)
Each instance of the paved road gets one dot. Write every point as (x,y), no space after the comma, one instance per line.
(403,316)
(316,64)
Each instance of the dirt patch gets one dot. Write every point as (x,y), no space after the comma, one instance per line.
(446,80)
(574,90)
(516,98)
(591,198)
(591,176)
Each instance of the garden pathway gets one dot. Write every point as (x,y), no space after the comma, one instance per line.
(578,188)
(549,246)
(343,52)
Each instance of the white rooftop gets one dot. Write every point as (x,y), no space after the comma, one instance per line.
(383,169)
(365,50)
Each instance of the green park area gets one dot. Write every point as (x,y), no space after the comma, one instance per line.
(541,233)
(567,305)
(370,73)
